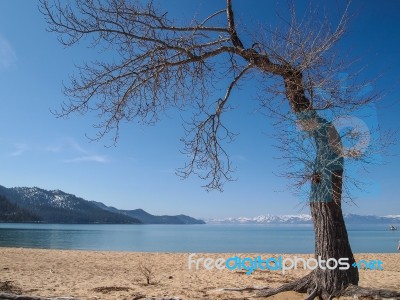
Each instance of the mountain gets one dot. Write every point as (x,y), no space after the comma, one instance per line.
(306,219)
(10,212)
(59,207)
(371,219)
(264,219)
(147,218)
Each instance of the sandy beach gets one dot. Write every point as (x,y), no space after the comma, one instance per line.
(116,275)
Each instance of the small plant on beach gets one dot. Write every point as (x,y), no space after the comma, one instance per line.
(147,270)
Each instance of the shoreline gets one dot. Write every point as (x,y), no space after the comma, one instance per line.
(87,274)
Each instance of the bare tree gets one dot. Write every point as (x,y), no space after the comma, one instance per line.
(147,270)
(160,65)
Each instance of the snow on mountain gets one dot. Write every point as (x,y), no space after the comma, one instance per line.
(264,219)
(305,219)
(56,206)
(392,216)
(40,197)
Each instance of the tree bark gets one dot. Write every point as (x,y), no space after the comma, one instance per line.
(331,238)
(331,241)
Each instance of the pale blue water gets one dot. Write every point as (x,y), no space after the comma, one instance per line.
(189,238)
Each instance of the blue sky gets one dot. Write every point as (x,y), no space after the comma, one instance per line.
(37,149)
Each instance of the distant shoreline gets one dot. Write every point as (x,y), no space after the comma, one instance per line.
(141,224)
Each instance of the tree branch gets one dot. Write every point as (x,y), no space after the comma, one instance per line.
(202,144)
(231,26)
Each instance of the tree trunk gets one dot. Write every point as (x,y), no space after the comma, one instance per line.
(331,239)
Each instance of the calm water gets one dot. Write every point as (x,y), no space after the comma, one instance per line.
(189,238)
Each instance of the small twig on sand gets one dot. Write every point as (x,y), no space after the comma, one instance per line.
(8,296)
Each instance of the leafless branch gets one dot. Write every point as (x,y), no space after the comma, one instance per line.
(203,140)
(161,65)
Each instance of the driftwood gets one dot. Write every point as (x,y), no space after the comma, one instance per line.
(244,289)
(359,292)
(9,296)
(155,298)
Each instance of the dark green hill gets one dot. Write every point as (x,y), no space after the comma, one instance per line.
(10,212)
(147,218)
(59,207)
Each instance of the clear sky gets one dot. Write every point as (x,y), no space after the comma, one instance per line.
(37,149)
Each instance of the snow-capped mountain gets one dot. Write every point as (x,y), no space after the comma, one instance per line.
(305,219)
(38,205)
(59,207)
(264,219)
(39,197)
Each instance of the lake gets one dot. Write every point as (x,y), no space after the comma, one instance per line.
(190,238)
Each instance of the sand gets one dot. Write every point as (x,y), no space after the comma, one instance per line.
(117,275)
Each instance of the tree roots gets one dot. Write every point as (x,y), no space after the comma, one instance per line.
(314,290)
